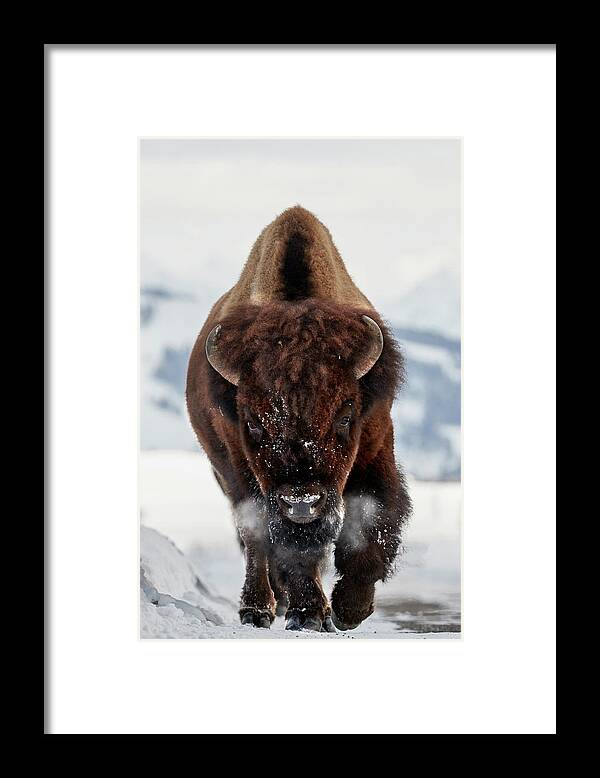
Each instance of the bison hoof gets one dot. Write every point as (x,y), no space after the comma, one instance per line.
(296,620)
(328,625)
(257,618)
(293,622)
(282,606)
(342,625)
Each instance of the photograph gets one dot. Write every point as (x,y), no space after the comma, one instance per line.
(300,388)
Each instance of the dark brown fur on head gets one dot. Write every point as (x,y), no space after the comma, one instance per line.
(295,361)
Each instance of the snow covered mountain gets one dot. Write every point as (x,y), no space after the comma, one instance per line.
(433,305)
(426,414)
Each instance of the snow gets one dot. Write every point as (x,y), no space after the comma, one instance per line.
(173,600)
(191,567)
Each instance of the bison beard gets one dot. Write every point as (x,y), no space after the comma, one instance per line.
(290,396)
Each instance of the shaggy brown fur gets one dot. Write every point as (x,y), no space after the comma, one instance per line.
(295,231)
(299,423)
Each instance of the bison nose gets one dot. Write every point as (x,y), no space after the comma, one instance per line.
(301,504)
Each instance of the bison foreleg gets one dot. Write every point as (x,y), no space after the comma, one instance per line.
(257,603)
(364,554)
(278,585)
(308,607)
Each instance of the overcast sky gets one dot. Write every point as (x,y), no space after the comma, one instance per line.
(392,206)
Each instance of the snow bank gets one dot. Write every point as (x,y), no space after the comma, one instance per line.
(173,600)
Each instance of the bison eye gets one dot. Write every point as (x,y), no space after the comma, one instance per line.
(344,421)
(255,430)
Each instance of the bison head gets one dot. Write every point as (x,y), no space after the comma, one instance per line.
(301,379)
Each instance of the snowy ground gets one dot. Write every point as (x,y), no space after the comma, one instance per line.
(192,570)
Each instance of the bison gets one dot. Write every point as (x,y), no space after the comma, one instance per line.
(289,389)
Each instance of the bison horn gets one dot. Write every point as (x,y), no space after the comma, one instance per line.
(215,358)
(373,353)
